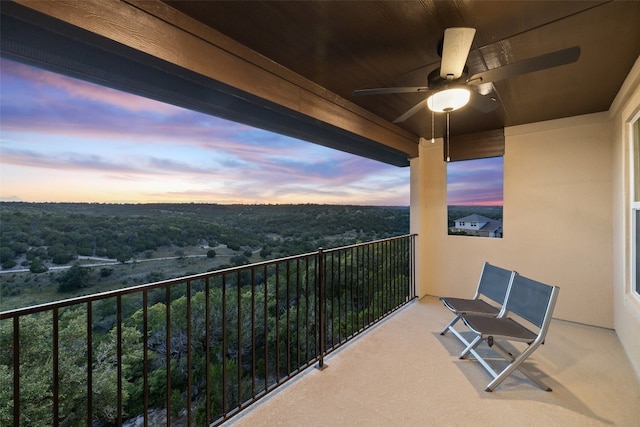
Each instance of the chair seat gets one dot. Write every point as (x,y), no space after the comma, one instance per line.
(493,286)
(462,305)
(499,327)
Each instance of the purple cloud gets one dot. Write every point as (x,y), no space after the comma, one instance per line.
(62,127)
(475,182)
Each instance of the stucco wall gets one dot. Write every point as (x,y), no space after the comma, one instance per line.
(557,217)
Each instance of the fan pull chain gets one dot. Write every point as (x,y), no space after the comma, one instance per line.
(433,129)
(446,141)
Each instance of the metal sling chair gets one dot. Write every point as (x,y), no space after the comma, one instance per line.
(494,283)
(529,300)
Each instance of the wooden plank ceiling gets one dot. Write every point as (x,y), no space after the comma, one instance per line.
(348,45)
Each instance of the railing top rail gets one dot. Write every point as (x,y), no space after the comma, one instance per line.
(169,282)
(341,248)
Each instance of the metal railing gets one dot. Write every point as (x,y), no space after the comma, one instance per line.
(198,349)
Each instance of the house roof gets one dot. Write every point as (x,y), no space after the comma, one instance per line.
(493,225)
(475,218)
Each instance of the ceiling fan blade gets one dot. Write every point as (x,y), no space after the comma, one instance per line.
(537,63)
(455,50)
(483,103)
(387,90)
(420,105)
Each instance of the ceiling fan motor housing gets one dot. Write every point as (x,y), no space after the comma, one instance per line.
(435,82)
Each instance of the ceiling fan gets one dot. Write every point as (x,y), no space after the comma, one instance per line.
(449,84)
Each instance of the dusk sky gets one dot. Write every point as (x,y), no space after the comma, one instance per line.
(66,140)
(475,182)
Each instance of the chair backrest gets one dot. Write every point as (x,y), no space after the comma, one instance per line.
(494,282)
(531,300)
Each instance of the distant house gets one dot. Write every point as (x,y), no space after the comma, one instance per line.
(478,225)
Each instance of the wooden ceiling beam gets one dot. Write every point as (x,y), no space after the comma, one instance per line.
(156,29)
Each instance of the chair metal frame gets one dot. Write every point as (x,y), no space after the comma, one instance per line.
(532,302)
(494,284)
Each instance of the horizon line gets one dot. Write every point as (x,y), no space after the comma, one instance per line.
(197,203)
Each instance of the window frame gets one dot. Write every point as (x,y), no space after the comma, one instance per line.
(471,226)
(634,206)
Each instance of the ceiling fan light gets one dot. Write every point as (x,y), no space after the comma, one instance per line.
(448,99)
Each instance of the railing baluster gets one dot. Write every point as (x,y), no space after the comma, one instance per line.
(266,331)
(168,351)
(361,288)
(367,282)
(413,265)
(322,309)
(337,297)
(298,314)
(375,299)
(397,276)
(253,332)
(351,300)
(392,287)
(389,276)
(357,307)
(56,376)
(207,349)
(189,373)
(385,278)
(288,317)
(224,345)
(307,322)
(89,364)
(379,271)
(16,371)
(239,328)
(332,316)
(277,300)
(340,293)
(145,356)
(119,354)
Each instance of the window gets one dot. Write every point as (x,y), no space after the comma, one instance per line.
(635,207)
(474,197)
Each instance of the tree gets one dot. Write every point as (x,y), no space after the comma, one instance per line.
(234,246)
(60,254)
(265,252)
(124,255)
(77,277)
(6,255)
(37,266)
(211,253)
(106,272)
(9,264)
(239,260)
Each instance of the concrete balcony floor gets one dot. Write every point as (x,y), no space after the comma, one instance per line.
(404,373)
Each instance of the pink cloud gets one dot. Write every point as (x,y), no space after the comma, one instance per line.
(85,90)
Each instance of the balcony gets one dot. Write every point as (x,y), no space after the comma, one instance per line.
(403,373)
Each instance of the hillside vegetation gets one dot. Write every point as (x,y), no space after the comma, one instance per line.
(50,251)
